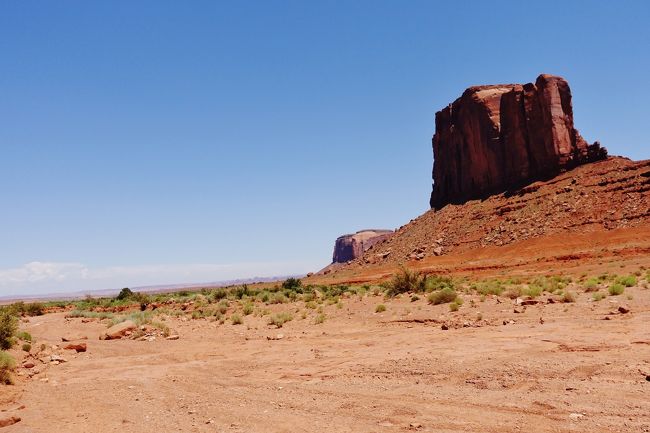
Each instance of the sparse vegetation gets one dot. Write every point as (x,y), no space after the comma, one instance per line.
(616,289)
(7,365)
(568,297)
(26,347)
(8,326)
(320,319)
(280,319)
(405,281)
(443,296)
(598,296)
(380,308)
(627,281)
(236,319)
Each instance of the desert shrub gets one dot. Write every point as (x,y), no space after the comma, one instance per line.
(164,328)
(8,326)
(7,365)
(513,292)
(442,296)
(34,309)
(24,335)
(454,306)
(616,289)
(437,282)
(90,314)
(568,297)
(405,281)
(219,294)
(490,287)
(236,319)
(627,281)
(533,290)
(124,294)
(598,296)
(278,298)
(415,298)
(280,319)
(380,308)
(293,284)
(320,319)
(247,309)
(27,347)
(592,285)
(222,306)
(241,292)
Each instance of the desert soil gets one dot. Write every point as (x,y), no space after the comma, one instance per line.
(360,371)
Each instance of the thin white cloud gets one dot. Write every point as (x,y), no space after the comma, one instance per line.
(56,277)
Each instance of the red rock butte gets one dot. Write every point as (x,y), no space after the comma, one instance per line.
(497,138)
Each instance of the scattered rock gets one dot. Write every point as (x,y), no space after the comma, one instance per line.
(6,422)
(29,364)
(276,337)
(576,416)
(623,309)
(444,327)
(415,426)
(118,331)
(57,359)
(68,338)
(173,337)
(77,347)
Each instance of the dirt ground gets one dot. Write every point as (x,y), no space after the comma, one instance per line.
(551,368)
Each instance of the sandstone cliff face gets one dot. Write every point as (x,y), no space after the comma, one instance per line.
(350,247)
(499,137)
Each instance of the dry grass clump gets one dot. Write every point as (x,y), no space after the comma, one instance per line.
(443,296)
(7,365)
(280,319)
(380,308)
(8,327)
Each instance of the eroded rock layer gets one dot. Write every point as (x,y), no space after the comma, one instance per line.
(349,247)
(499,137)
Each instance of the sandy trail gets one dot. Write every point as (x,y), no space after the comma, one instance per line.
(358,372)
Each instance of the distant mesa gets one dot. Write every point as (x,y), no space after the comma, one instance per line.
(352,246)
(495,138)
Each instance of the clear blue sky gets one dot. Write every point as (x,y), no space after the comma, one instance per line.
(159,141)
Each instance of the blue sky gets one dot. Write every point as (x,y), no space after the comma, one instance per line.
(159,141)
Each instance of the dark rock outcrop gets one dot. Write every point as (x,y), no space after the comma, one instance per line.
(499,137)
(349,247)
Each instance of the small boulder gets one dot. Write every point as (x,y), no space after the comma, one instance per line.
(29,364)
(118,331)
(173,337)
(6,422)
(623,309)
(77,347)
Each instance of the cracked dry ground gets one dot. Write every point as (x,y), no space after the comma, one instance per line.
(358,372)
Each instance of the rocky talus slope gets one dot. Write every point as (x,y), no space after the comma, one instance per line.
(607,195)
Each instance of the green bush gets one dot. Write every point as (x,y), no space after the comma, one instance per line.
(616,289)
(124,294)
(8,326)
(27,347)
(442,296)
(380,308)
(248,309)
(236,319)
(592,285)
(7,365)
(293,284)
(405,281)
(280,319)
(24,335)
(568,297)
(437,282)
(598,296)
(627,281)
